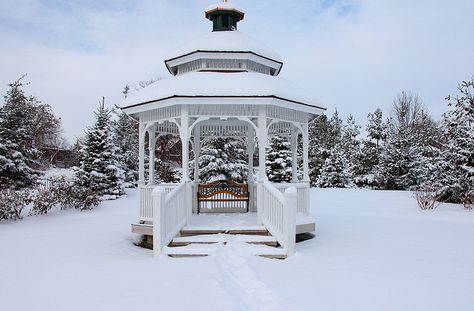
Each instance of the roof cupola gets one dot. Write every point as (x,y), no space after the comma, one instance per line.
(224,16)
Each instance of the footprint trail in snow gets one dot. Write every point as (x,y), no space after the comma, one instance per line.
(238,279)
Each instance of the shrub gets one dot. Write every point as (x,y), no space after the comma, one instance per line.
(426,200)
(468,201)
(64,194)
(12,203)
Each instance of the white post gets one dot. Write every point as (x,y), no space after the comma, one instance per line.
(141,154)
(197,151)
(250,151)
(158,197)
(262,146)
(250,180)
(151,155)
(262,143)
(294,154)
(184,135)
(290,220)
(305,153)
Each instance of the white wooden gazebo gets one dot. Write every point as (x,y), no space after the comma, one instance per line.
(223,85)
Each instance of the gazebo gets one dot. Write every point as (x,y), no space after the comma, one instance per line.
(225,84)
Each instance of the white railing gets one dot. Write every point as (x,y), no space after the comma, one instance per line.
(146,204)
(253,197)
(171,212)
(277,212)
(302,195)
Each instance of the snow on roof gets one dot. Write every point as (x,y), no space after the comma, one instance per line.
(223,5)
(222,84)
(227,41)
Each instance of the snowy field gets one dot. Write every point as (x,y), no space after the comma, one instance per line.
(374,250)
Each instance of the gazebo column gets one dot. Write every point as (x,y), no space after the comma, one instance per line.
(141,154)
(262,146)
(294,154)
(151,155)
(250,180)
(184,135)
(305,153)
(250,151)
(197,152)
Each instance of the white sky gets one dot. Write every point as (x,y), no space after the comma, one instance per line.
(352,55)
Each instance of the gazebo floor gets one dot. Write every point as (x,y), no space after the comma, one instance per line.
(234,223)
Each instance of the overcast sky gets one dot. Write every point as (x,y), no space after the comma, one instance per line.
(352,55)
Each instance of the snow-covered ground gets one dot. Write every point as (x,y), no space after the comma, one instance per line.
(374,250)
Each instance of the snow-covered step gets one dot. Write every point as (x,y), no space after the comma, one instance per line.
(193,250)
(199,250)
(224,238)
(203,230)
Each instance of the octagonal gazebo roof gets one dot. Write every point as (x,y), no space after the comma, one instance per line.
(224,64)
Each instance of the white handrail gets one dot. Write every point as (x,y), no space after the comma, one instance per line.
(146,204)
(277,212)
(302,189)
(170,214)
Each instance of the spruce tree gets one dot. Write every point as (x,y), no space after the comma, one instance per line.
(411,145)
(335,171)
(223,158)
(99,168)
(376,128)
(350,145)
(324,134)
(279,160)
(16,138)
(126,141)
(455,172)
(368,158)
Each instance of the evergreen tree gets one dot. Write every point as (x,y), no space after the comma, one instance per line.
(349,143)
(368,158)
(99,167)
(410,147)
(324,134)
(16,138)
(455,171)
(335,171)
(223,158)
(165,168)
(376,128)
(279,160)
(126,141)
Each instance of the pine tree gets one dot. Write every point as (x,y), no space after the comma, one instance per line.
(411,145)
(324,134)
(455,171)
(99,167)
(350,145)
(126,141)
(335,171)
(16,138)
(376,128)
(368,158)
(223,158)
(279,160)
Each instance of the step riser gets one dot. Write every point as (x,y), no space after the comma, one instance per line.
(177,244)
(186,233)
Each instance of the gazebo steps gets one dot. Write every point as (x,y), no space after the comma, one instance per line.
(248,230)
(224,239)
(202,250)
